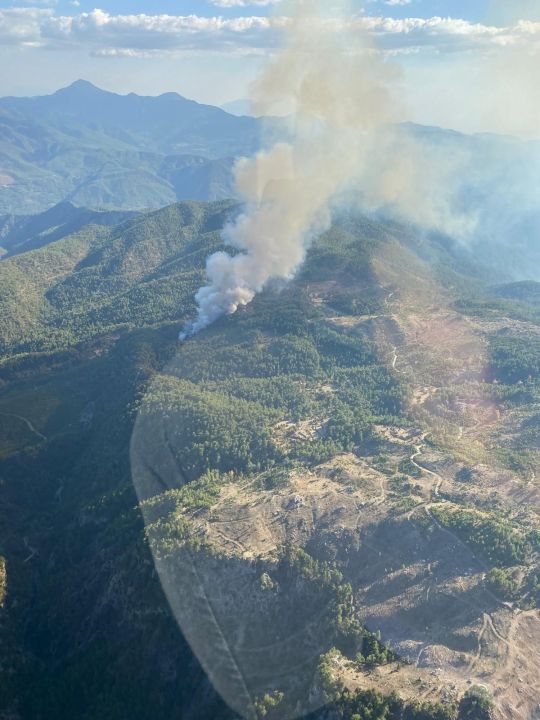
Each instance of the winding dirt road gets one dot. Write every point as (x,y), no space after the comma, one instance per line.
(27,422)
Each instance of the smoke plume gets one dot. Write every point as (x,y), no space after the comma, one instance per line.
(342,96)
(338,91)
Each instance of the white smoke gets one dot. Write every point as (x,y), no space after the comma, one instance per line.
(338,91)
(343,96)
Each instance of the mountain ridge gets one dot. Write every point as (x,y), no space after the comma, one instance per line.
(128,152)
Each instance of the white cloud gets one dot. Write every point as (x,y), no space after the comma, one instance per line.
(22,25)
(106,34)
(99,30)
(160,32)
(444,34)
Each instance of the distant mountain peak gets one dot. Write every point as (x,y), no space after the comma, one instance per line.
(86,89)
(81,83)
(80,87)
(158,148)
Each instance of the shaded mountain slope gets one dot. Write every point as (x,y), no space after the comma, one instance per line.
(22,233)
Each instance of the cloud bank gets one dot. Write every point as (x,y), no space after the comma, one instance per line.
(99,30)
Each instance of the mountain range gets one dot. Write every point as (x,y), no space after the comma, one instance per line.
(95,148)
(323,505)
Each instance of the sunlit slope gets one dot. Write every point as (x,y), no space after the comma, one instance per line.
(364,437)
(103,278)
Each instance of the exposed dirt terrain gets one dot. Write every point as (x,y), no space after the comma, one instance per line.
(416,581)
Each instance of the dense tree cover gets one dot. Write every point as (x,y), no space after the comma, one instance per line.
(495,308)
(515,358)
(476,705)
(3,583)
(526,290)
(225,392)
(519,301)
(493,538)
(344,252)
(209,431)
(532,585)
(371,705)
(503,583)
(88,632)
(278,361)
(373,653)
(269,704)
(107,279)
(249,387)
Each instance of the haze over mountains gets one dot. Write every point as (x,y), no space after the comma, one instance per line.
(96,148)
(91,148)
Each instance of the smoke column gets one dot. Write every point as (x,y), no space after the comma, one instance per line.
(342,95)
(336,87)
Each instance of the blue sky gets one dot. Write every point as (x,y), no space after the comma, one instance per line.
(474,10)
(449,53)
(477,10)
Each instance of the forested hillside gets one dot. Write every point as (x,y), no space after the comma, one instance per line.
(95,149)
(357,447)
(104,278)
(20,233)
